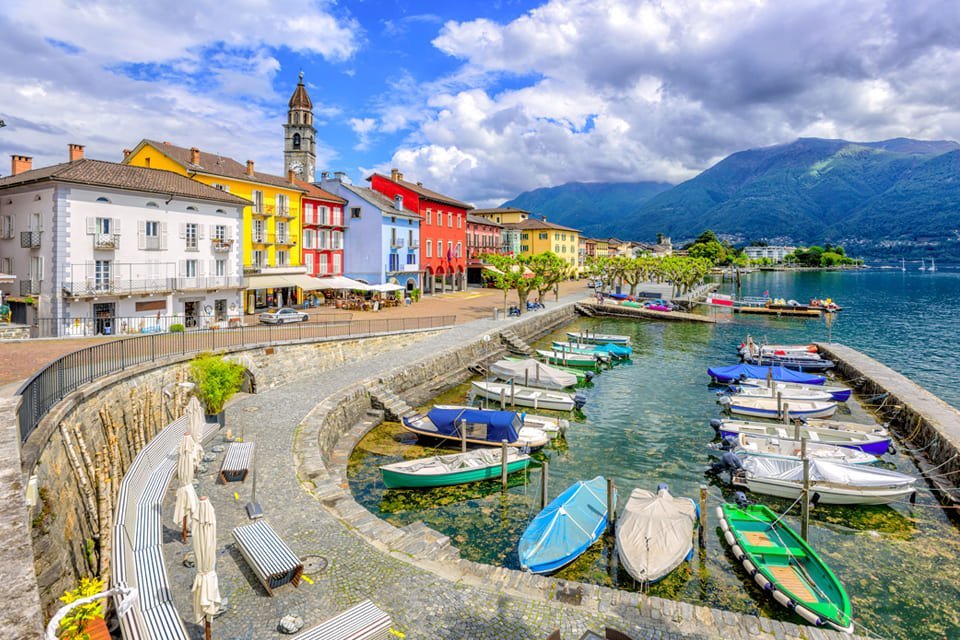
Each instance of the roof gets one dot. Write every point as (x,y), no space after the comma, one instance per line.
(300,99)
(313,191)
(380,201)
(216,165)
(481,212)
(481,220)
(537,223)
(123,176)
(426,193)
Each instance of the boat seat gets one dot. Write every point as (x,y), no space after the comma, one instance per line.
(779,552)
(757,538)
(792,581)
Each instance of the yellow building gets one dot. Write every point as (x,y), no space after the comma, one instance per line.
(539,236)
(271,227)
(502,215)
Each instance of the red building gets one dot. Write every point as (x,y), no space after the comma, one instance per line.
(322,242)
(483,236)
(443,230)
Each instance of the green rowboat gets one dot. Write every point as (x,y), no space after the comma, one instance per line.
(781,562)
(579,360)
(459,468)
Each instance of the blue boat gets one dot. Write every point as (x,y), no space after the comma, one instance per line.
(480,426)
(724,375)
(566,527)
(617,350)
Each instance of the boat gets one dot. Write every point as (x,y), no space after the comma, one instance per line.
(784,565)
(483,427)
(834,481)
(528,396)
(791,362)
(533,373)
(553,427)
(748,344)
(597,338)
(873,443)
(579,360)
(814,394)
(615,350)
(732,373)
(457,468)
(767,407)
(837,392)
(566,527)
(655,533)
(789,449)
(583,375)
(845,425)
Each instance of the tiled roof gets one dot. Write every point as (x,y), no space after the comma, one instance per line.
(313,191)
(300,99)
(380,201)
(537,223)
(217,165)
(122,176)
(427,193)
(500,210)
(481,220)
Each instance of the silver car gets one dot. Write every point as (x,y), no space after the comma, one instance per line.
(282,315)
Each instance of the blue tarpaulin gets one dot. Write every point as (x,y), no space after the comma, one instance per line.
(780,374)
(501,425)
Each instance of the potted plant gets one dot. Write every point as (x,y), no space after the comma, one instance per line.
(84,621)
(217,380)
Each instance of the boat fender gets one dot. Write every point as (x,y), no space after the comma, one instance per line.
(728,536)
(891,449)
(808,615)
(737,552)
(716,423)
(783,599)
(723,520)
(761,580)
(752,570)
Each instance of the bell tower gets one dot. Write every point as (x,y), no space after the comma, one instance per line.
(299,135)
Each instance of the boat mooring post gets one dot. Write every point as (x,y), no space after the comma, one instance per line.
(463,436)
(513,394)
(544,473)
(779,404)
(503,464)
(526,377)
(805,493)
(538,373)
(503,398)
(702,534)
(770,377)
(611,506)
(786,413)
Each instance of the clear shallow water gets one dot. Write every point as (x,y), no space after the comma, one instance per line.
(647,422)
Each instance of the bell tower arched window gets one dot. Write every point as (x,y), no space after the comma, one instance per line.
(296,141)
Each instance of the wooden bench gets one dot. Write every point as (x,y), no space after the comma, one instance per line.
(269,556)
(236,463)
(364,621)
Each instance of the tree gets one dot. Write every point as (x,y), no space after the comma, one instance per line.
(509,273)
(713,251)
(549,269)
(707,236)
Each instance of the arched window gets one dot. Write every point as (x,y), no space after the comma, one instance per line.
(221,211)
(152,205)
(102,199)
(296,141)
(191,208)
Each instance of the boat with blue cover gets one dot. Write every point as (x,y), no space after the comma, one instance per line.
(476,426)
(616,350)
(733,373)
(566,527)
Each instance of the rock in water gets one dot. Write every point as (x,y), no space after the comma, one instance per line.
(290,623)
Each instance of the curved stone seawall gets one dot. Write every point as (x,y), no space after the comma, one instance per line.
(62,451)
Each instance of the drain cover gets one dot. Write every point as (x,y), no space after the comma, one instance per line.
(313,565)
(251,409)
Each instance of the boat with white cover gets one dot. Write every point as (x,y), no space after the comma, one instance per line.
(533,373)
(655,533)
(769,407)
(836,391)
(525,396)
(789,449)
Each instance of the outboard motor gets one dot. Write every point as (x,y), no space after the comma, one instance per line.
(579,399)
(728,443)
(663,486)
(716,423)
(728,462)
(741,499)
(589,375)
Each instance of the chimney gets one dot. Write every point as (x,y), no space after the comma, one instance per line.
(19,164)
(419,184)
(75,152)
(126,153)
(324,175)
(291,176)
(194,155)
(340,177)
(249,167)
(398,202)
(394,174)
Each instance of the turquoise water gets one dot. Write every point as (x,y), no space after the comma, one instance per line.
(647,422)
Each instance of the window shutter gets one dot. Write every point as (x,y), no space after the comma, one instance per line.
(116,225)
(91,225)
(141,234)
(200,228)
(200,271)
(163,235)
(182,271)
(183,230)
(40,267)
(228,232)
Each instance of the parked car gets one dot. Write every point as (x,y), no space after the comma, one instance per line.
(282,315)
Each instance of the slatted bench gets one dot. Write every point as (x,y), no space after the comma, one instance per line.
(237,462)
(269,556)
(364,621)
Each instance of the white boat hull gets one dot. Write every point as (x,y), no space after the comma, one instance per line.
(829,494)
(525,396)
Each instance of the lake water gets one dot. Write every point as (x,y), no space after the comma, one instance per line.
(646,422)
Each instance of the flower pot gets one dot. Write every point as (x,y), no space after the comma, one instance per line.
(95,629)
(217,418)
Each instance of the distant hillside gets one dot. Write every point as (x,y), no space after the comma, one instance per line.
(593,207)
(898,191)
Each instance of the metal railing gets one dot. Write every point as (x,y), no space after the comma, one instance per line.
(106,241)
(117,286)
(29,287)
(29,239)
(221,246)
(64,375)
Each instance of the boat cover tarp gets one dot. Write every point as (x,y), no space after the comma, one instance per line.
(501,425)
(736,371)
(439,465)
(565,527)
(607,347)
(655,533)
(538,374)
(842,473)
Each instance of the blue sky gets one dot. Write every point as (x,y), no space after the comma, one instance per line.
(479,100)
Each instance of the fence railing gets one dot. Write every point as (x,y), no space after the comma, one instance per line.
(64,375)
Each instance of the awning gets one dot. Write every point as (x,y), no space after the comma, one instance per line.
(340,282)
(307,283)
(7,278)
(268,281)
(386,287)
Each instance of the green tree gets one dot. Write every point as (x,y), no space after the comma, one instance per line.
(549,269)
(509,273)
(713,251)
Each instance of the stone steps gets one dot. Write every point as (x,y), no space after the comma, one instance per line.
(584,310)
(514,343)
(394,407)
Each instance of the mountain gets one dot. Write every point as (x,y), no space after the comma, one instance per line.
(812,190)
(593,207)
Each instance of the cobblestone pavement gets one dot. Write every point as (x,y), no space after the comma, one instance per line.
(343,568)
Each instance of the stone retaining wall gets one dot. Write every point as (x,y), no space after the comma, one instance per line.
(14,332)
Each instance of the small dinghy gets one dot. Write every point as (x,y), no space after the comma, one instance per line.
(597,338)
(458,468)
(785,566)
(766,407)
(528,396)
(725,375)
(873,443)
(790,449)
(566,527)
(655,533)
(811,394)
(838,393)
(532,373)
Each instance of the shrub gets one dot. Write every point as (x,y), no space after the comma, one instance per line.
(72,625)
(217,380)
(177,328)
(415,295)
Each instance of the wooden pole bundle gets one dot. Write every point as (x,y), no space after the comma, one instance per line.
(84,451)
(86,490)
(105,506)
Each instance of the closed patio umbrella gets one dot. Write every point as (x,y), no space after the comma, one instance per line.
(195,420)
(186,506)
(206,587)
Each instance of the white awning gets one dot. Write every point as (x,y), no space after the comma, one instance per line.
(307,283)
(340,282)
(268,281)
(386,287)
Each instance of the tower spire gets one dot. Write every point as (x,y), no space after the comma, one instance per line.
(299,133)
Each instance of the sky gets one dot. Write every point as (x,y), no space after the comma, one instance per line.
(477,100)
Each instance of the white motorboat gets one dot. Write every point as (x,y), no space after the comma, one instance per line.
(655,533)
(597,338)
(835,482)
(872,443)
(579,360)
(786,394)
(845,425)
(767,407)
(525,396)
(789,449)
(533,373)
(836,391)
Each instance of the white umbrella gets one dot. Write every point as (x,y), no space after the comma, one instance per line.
(341,282)
(195,420)
(186,506)
(206,587)
(386,288)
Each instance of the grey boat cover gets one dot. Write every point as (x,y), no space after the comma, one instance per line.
(841,473)
(549,378)
(439,465)
(655,533)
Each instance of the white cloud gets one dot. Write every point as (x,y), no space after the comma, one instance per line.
(363,127)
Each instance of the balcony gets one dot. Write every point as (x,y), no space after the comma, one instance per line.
(397,243)
(283,213)
(150,243)
(92,287)
(261,238)
(106,241)
(261,211)
(29,287)
(220,245)
(208,282)
(29,239)
(283,239)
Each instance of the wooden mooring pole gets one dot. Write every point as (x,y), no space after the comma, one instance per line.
(805,493)
(463,436)
(611,505)
(544,474)
(702,534)
(503,464)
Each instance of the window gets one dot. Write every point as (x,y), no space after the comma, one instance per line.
(440,249)
(450,219)
(337,239)
(308,263)
(258,259)
(282,235)
(221,187)
(6,227)
(449,249)
(101,275)
(309,239)
(152,229)
(103,226)
(524,236)
(324,215)
(411,257)
(556,236)
(152,235)
(257,201)
(283,259)
(524,248)
(190,235)
(220,268)
(220,232)
(429,247)
(323,263)
(337,216)
(192,208)
(336,263)
(259,234)
(544,236)
(410,242)
(556,248)
(429,216)
(154,205)
(308,217)
(354,212)
(459,222)
(283,205)
(459,253)
(323,239)
(6,265)
(189,268)
(296,139)
(101,199)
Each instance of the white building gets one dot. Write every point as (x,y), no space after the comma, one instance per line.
(101,247)
(775,253)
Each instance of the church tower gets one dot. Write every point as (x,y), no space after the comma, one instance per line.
(299,135)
